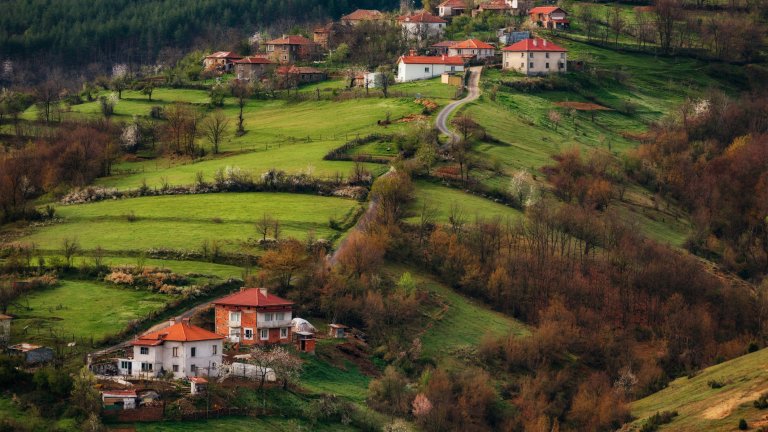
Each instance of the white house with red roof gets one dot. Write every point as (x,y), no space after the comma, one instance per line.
(220,60)
(535,56)
(472,48)
(182,349)
(551,17)
(422,25)
(450,8)
(253,316)
(413,67)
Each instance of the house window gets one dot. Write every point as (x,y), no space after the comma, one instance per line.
(426,69)
(213,365)
(234,317)
(547,66)
(522,54)
(268,317)
(284,333)
(531,65)
(175,368)
(530,55)
(146,367)
(193,352)
(264,334)
(175,352)
(144,350)
(562,55)
(124,364)
(193,368)
(280,316)
(248,334)
(546,55)
(214,349)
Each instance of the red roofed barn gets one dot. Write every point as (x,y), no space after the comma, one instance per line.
(535,57)
(181,348)
(551,17)
(413,67)
(253,316)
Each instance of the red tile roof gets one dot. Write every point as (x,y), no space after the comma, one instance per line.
(444,60)
(495,5)
(179,332)
(472,44)
(254,60)
(290,40)
(444,44)
(422,17)
(224,55)
(119,393)
(363,15)
(453,4)
(253,296)
(546,10)
(537,44)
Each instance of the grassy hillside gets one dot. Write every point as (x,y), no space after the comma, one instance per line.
(701,407)
(443,198)
(80,309)
(185,221)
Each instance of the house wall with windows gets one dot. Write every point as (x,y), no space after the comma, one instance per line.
(254,323)
(536,63)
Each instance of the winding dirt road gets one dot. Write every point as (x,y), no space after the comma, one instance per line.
(474,92)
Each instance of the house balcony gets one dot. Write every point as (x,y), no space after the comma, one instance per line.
(273,324)
(235,324)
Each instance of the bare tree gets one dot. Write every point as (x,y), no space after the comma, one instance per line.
(263,225)
(666,12)
(47,96)
(384,79)
(70,247)
(554,117)
(241,91)
(215,129)
(616,22)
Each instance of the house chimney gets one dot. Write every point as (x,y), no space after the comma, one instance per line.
(544,42)
(171,322)
(412,52)
(264,291)
(443,57)
(185,321)
(243,289)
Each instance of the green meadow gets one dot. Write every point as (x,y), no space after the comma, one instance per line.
(441,199)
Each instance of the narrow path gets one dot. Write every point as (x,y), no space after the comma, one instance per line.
(474,92)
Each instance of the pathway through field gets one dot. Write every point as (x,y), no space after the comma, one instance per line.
(474,92)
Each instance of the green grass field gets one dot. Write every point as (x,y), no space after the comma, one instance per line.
(31,420)
(186,221)
(81,309)
(240,424)
(207,269)
(442,198)
(702,408)
(321,377)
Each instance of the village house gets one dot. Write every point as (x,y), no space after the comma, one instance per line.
(253,68)
(509,7)
(472,49)
(291,49)
(292,76)
(441,48)
(550,17)
(362,15)
(451,8)
(413,67)
(322,36)
(221,61)
(118,399)
(253,316)
(5,329)
(32,354)
(182,349)
(535,57)
(422,25)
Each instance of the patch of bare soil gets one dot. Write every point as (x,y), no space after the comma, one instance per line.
(726,406)
(582,106)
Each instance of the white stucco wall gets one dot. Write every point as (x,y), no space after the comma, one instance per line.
(161,357)
(535,63)
(413,72)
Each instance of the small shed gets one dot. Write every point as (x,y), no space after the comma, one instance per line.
(451,79)
(337,331)
(198,385)
(32,354)
(118,399)
(305,341)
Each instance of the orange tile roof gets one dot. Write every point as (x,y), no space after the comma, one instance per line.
(444,60)
(179,332)
(544,10)
(537,44)
(472,44)
(454,4)
(363,15)
(291,40)
(224,55)
(422,17)
(495,5)
(252,297)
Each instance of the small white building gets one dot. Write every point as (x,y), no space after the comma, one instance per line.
(118,399)
(182,349)
(472,48)
(413,67)
(450,8)
(535,57)
(422,25)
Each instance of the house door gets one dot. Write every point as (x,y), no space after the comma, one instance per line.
(303,346)
(130,368)
(234,335)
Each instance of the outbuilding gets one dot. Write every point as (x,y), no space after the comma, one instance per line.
(413,67)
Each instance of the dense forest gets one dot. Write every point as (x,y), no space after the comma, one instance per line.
(79,32)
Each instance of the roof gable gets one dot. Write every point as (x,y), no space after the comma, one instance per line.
(545,10)
(453,4)
(536,44)
(257,296)
(364,15)
(472,44)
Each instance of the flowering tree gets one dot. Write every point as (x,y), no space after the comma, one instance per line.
(523,188)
